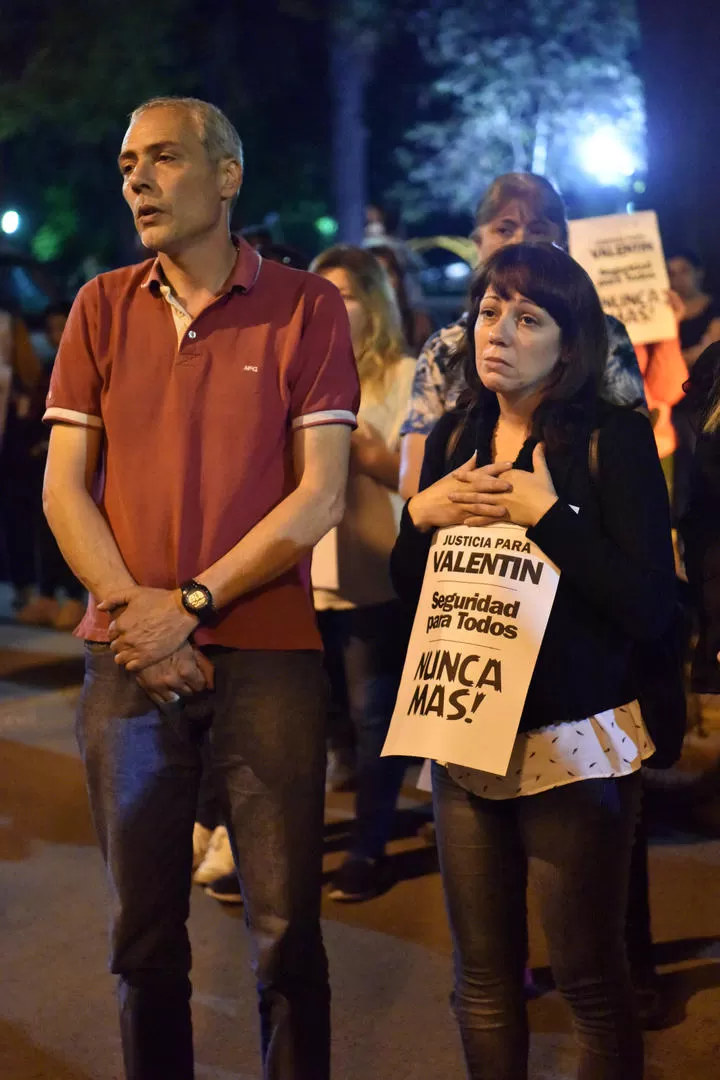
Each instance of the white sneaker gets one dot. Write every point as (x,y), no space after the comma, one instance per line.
(201,843)
(218,860)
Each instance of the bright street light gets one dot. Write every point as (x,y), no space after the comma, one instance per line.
(605,156)
(10,222)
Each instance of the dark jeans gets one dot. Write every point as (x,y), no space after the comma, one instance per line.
(638,926)
(265,721)
(364,655)
(577,840)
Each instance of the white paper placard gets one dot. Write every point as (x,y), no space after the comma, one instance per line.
(623,255)
(484,605)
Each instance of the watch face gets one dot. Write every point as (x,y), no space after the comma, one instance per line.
(196,599)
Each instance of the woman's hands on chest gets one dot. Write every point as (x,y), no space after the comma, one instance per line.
(531,494)
(461,497)
(481,496)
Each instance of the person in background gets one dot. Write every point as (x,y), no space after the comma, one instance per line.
(700,320)
(416,322)
(202,404)
(213,862)
(363,625)
(20,372)
(518,450)
(664,373)
(700,524)
(517,207)
(53,576)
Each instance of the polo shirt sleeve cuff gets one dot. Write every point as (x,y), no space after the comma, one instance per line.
(327,416)
(70,416)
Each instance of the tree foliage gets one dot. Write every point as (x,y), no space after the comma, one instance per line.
(71,72)
(517,86)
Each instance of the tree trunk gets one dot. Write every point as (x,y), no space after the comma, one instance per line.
(349,74)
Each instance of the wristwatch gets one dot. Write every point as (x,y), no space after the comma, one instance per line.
(197,600)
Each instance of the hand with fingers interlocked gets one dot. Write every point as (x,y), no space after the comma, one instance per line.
(482,496)
(519,496)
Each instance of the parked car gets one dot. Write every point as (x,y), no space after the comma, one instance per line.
(445,266)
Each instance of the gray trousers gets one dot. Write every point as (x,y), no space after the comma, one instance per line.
(265,722)
(577,840)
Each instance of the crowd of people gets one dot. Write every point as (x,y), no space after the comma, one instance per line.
(284,412)
(44,591)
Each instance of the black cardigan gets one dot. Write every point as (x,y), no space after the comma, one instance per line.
(617,582)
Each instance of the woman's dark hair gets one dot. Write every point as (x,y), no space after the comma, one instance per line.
(535,191)
(547,276)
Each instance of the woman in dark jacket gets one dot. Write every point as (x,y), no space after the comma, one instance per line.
(519,450)
(700,526)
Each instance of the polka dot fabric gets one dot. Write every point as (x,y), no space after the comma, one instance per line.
(613,743)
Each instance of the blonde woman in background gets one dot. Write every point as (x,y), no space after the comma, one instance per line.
(363,626)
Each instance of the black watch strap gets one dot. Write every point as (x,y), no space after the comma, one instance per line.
(197,600)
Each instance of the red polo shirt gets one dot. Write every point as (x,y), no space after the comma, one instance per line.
(198,436)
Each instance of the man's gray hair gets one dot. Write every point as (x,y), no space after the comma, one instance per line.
(216,133)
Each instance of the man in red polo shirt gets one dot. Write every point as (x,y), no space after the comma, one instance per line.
(202,405)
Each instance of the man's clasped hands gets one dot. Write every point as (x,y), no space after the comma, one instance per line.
(149,635)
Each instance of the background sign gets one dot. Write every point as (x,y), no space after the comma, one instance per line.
(485,602)
(623,255)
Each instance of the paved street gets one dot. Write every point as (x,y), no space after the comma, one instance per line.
(389,958)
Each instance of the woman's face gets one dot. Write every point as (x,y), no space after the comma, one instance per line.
(517,345)
(516,223)
(685,279)
(359,322)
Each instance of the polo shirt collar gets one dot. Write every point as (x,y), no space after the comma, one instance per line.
(244,274)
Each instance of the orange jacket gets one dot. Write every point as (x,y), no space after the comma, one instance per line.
(664,371)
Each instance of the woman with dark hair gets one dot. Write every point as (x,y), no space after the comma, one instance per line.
(518,449)
(416,323)
(699,325)
(516,208)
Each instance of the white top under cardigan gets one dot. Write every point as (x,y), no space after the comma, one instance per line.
(612,743)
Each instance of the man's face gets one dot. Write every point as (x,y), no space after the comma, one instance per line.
(176,193)
(514,224)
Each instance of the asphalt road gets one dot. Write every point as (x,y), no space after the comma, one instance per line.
(389,958)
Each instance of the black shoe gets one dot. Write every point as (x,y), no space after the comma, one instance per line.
(358,879)
(226,889)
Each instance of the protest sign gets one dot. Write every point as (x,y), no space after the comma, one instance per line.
(623,255)
(484,605)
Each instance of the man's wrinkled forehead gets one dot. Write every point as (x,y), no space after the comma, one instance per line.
(164,124)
